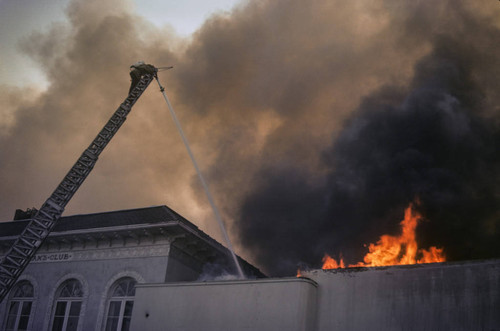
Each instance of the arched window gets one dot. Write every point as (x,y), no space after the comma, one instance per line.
(20,303)
(68,303)
(120,304)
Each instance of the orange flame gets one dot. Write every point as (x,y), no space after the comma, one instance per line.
(330,263)
(394,250)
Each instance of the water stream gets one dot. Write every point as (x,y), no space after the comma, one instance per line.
(204,183)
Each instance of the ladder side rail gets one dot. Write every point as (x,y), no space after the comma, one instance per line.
(36,231)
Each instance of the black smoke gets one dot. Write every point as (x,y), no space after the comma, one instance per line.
(433,141)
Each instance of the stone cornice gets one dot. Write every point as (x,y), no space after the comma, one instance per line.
(101,253)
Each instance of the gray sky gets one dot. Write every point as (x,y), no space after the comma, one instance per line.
(19,19)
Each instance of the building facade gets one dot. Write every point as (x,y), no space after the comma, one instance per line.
(151,269)
(85,274)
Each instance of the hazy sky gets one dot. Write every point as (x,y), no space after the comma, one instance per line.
(18,19)
(316,123)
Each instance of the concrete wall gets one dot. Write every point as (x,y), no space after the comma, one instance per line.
(443,296)
(449,296)
(264,305)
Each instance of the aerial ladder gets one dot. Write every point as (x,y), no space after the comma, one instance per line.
(39,227)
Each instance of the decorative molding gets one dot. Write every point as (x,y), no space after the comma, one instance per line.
(107,253)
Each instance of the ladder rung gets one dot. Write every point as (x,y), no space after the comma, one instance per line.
(13,261)
(36,235)
(22,253)
(40,222)
(5,271)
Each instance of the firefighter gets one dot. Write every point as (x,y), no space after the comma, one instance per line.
(137,70)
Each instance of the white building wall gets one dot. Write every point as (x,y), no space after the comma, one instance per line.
(97,268)
(264,305)
(442,296)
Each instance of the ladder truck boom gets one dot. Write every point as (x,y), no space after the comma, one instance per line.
(26,245)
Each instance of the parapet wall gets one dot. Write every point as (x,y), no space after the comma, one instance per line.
(264,305)
(440,296)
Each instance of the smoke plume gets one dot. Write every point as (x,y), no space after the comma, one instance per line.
(316,123)
(434,140)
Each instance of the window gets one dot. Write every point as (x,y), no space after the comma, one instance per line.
(121,302)
(68,304)
(20,304)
